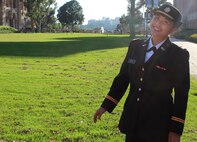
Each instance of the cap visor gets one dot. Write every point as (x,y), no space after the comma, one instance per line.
(163,13)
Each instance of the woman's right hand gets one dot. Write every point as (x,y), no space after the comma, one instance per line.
(99,113)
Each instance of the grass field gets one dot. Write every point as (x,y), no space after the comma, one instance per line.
(51,85)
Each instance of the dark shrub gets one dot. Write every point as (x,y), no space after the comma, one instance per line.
(7,29)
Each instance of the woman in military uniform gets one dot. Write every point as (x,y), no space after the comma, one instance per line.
(154,69)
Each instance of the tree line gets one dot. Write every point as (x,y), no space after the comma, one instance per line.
(42,17)
(70,16)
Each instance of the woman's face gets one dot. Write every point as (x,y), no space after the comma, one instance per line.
(161,27)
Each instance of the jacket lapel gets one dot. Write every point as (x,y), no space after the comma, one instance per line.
(162,49)
(142,52)
(154,58)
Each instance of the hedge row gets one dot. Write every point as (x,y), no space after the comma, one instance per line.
(7,29)
(193,38)
(187,34)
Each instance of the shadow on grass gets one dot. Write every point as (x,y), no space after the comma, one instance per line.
(62,46)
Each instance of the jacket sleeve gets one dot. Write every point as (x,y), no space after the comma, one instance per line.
(181,89)
(120,83)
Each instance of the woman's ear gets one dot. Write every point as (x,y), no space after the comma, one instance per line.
(176,28)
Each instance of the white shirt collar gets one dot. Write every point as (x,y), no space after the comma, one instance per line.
(150,44)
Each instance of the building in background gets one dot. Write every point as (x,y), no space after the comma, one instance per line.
(12,13)
(188,9)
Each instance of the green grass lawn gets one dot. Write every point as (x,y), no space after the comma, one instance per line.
(51,85)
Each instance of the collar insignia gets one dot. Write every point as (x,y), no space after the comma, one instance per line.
(144,45)
(162,48)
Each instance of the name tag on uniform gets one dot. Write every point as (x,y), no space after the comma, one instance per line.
(131,61)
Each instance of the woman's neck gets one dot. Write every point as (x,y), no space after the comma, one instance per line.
(156,41)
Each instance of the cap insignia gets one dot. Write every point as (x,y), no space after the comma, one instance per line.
(167,9)
(144,45)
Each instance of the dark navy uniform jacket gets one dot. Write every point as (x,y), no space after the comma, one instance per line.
(158,93)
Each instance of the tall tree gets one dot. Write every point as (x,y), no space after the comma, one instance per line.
(124,24)
(124,20)
(71,14)
(131,8)
(40,11)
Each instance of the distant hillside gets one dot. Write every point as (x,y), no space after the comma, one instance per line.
(107,23)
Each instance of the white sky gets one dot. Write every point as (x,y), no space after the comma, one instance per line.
(97,9)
